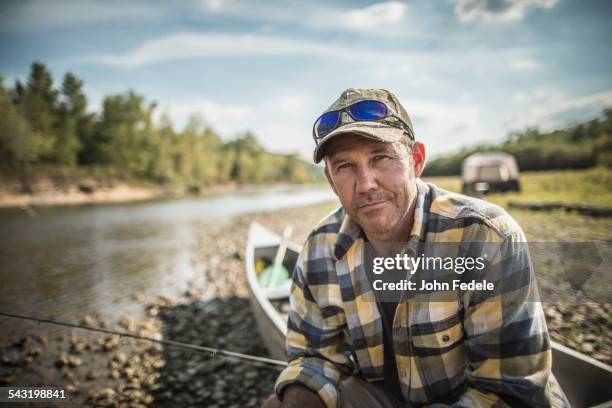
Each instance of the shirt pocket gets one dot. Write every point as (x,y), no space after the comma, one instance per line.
(439,354)
(437,335)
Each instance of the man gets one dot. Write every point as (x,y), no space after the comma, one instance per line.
(347,346)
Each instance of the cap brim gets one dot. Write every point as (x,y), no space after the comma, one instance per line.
(371,130)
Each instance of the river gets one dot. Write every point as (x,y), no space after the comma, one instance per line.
(69,261)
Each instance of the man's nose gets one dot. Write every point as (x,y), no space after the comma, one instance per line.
(366,180)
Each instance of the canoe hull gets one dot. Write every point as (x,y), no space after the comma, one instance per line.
(271,323)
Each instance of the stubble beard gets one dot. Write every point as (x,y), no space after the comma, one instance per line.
(399,219)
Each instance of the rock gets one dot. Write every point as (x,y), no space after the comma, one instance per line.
(153,311)
(6,379)
(34,352)
(72,389)
(63,359)
(128,372)
(134,360)
(78,345)
(552,314)
(158,364)
(21,343)
(74,361)
(587,348)
(111,342)
(91,376)
(120,358)
(87,187)
(87,320)
(69,375)
(42,340)
(127,323)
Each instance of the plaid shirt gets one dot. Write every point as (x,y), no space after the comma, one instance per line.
(471,352)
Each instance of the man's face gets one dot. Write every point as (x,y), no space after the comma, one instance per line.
(375,183)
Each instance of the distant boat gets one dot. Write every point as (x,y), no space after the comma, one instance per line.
(490,172)
(586,381)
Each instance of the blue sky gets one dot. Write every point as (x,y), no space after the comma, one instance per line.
(467,71)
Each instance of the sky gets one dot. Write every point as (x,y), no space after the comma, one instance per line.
(467,71)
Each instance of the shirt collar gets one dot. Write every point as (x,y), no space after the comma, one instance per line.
(350,232)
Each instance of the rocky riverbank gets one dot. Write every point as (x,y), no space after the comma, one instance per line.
(108,370)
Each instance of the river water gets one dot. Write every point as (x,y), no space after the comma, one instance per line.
(69,261)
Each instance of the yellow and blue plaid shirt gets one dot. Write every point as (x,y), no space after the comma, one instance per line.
(467,352)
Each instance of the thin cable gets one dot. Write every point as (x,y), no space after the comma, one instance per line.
(211,350)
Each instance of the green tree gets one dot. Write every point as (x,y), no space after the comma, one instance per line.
(125,133)
(20,145)
(71,117)
(37,100)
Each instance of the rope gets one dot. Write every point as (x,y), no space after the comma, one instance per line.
(172,343)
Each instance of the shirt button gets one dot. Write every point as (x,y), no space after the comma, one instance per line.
(445,338)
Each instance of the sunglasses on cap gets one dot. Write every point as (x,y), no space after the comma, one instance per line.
(360,111)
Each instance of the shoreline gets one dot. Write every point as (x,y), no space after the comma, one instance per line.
(121,193)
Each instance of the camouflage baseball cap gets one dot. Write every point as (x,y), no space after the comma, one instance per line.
(389,129)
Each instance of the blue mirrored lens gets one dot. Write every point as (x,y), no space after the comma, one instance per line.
(326,123)
(368,110)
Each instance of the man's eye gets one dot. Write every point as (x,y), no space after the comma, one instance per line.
(379,157)
(343,166)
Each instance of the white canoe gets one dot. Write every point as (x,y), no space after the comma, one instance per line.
(586,381)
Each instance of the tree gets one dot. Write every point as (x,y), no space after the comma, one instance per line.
(37,101)
(20,145)
(71,117)
(39,123)
(124,133)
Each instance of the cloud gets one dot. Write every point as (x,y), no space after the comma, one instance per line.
(216,5)
(9,80)
(445,127)
(287,136)
(227,119)
(555,114)
(381,19)
(33,15)
(378,16)
(497,10)
(539,96)
(200,45)
(290,105)
(524,64)
(283,124)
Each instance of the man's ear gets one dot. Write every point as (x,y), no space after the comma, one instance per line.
(418,158)
(329,179)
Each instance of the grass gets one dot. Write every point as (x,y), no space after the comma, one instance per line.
(591,186)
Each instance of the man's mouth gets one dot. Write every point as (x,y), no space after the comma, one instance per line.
(372,204)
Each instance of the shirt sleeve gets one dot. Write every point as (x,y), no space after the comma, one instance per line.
(319,356)
(507,343)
